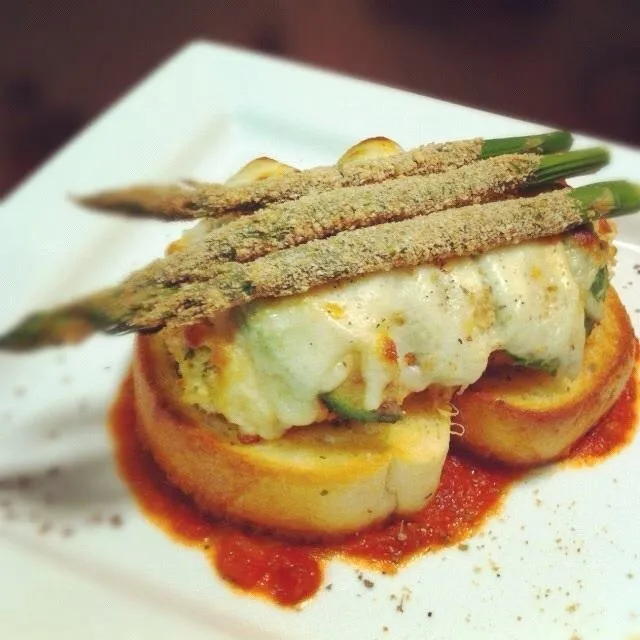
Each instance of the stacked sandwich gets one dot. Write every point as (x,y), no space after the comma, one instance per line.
(306,350)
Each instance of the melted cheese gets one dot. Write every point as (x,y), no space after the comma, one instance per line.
(394,333)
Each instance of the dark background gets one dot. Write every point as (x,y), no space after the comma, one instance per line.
(569,63)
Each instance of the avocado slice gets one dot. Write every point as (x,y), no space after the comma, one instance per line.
(548,366)
(347,402)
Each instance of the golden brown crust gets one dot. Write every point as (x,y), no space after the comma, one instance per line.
(319,481)
(176,202)
(524,417)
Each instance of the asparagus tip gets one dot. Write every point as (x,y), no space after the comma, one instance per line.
(64,325)
(542,143)
(27,335)
(611,197)
(570,163)
(626,195)
(554,141)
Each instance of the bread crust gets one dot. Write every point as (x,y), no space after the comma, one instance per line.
(325,481)
(321,481)
(523,417)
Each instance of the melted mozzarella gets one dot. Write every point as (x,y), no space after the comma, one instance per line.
(539,314)
(394,333)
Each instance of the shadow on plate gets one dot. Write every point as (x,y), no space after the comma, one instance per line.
(59,472)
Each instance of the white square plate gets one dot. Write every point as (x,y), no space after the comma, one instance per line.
(78,560)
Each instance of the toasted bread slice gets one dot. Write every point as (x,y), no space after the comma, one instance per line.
(324,480)
(523,417)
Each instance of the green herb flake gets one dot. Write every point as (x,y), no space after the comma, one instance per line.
(600,284)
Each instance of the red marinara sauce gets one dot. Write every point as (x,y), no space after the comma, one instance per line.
(470,491)
(614,431)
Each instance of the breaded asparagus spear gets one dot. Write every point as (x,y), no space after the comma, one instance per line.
(200,199)
(424,239)
(212,288)
(319,216)
(328,213)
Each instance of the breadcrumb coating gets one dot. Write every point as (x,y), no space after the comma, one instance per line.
(200,199)
(318,216)
(202,289)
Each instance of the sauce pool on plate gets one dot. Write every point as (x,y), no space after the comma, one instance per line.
(288,573)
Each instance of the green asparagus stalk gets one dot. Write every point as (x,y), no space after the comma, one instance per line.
(216,287)
(70,324)
(175,202)
(564,165)
(603,198)
(543,143)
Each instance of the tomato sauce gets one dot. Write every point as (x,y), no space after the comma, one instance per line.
(468,492)
(289,573)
